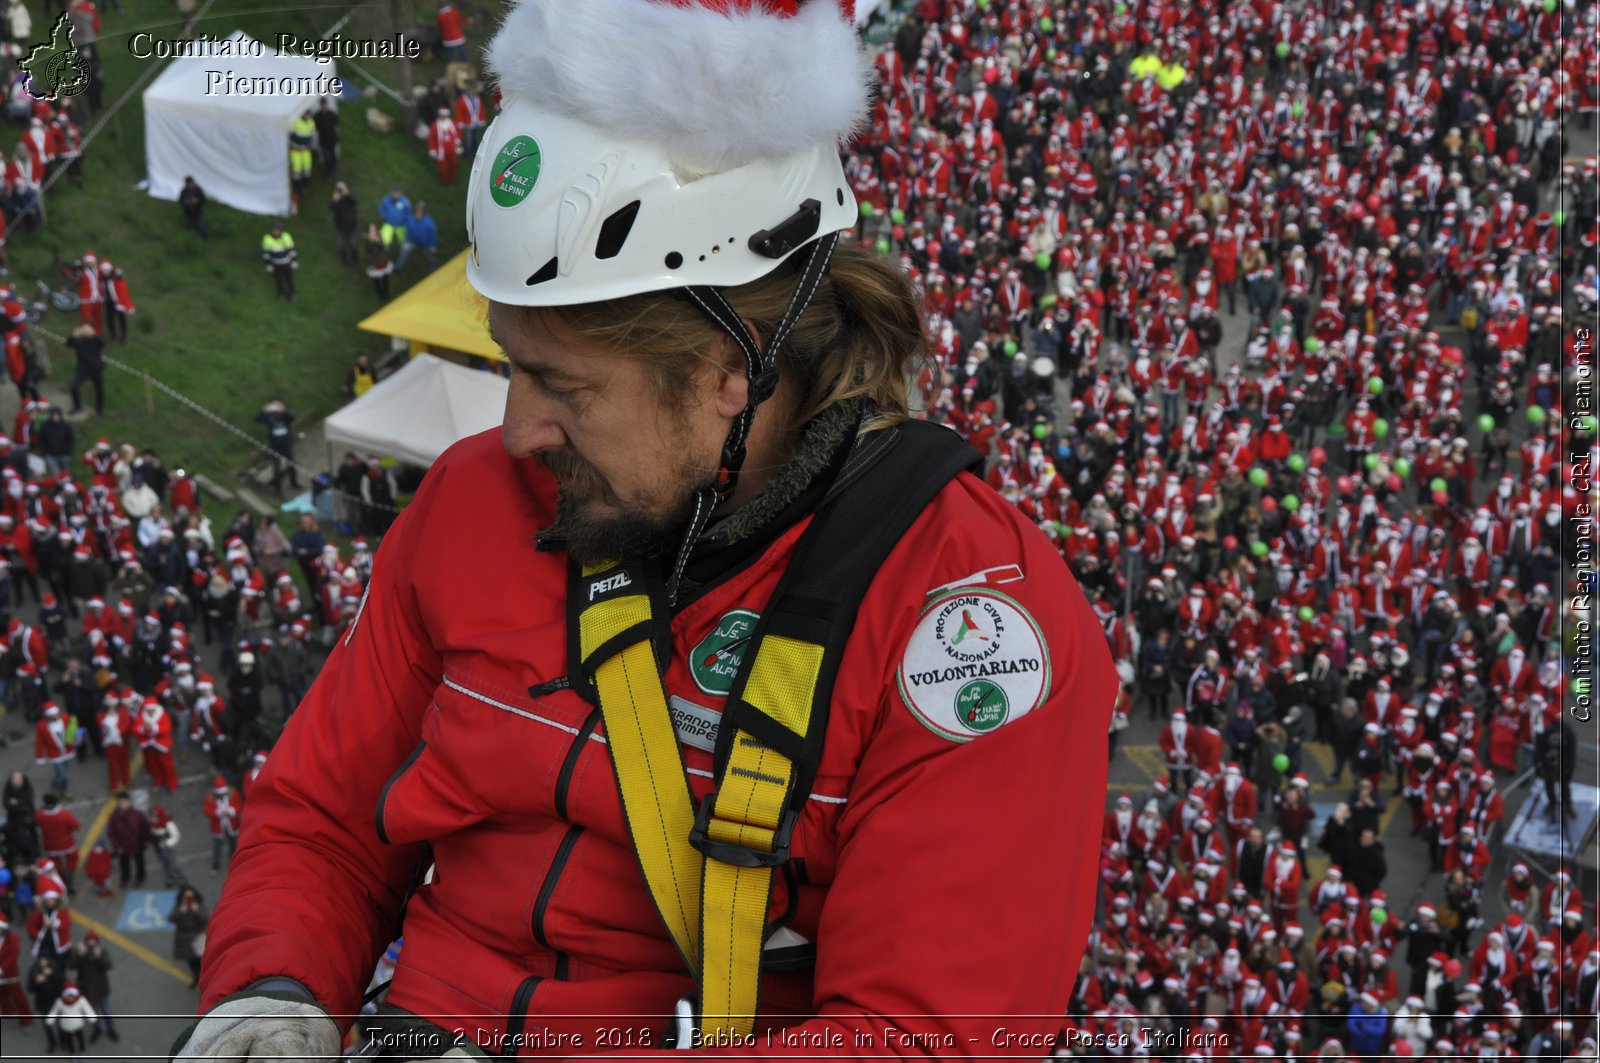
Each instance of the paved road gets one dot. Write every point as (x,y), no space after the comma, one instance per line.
(149,989)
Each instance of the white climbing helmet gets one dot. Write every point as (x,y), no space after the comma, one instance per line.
(644,145)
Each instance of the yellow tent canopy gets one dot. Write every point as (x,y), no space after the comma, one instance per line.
(440,313)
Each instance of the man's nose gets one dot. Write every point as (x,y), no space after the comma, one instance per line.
(530,425)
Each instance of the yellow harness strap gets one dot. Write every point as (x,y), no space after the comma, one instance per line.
(710,874)
(644,750)
(744,827)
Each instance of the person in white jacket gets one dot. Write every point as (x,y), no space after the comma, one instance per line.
(19,20)
(1412,1024)
(71,1016)
(166,835)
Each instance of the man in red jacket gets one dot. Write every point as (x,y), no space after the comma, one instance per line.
(222,807)
(58,836)
(55,744)
(13,1001)
(479,768)
(452,37)
(445,146)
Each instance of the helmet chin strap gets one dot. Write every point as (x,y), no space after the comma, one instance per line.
(761,368)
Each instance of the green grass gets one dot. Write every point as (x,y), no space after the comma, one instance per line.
(208,322)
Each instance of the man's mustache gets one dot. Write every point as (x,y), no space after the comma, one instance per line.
(573,473)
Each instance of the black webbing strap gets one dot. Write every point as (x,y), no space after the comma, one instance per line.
(761,368)
(834,563)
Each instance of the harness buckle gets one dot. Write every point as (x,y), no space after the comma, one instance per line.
(741,855)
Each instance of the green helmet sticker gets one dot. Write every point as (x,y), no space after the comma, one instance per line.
(515,171)
(716,658)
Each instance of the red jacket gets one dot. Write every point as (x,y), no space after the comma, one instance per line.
(421,727)
(154,735)
(1234,812)
(449,22)
(223,812)
(10,971)
(54,926)
(444,139)
(58,829)
(52,742)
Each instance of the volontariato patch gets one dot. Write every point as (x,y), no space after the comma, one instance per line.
(975,662)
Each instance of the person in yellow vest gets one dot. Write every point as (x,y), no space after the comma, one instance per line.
(361,377)
(1147,63)
(302,136)
(277,251)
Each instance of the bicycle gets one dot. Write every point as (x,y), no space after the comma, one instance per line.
(64,298)
(45,298)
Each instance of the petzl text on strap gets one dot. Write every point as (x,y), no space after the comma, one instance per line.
(770,741)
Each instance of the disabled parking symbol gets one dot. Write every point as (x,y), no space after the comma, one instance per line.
(145,911)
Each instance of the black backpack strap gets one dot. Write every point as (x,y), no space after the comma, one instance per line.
(886,483)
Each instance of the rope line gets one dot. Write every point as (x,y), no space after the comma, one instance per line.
(222,422)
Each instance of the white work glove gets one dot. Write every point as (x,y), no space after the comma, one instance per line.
(260,1026)
(680,1035)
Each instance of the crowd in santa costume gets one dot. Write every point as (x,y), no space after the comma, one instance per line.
(49,148)
(119,609)
(104,305)
(51,140)
(1355,495)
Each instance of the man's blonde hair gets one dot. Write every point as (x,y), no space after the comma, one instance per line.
(861,335)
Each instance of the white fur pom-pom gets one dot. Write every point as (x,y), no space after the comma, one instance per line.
(717,89)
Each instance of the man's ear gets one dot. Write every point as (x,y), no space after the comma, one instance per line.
(733,378)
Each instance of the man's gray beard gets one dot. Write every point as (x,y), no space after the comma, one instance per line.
(625,535)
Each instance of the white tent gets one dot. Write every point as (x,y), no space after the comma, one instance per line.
(206,119)
(419,411)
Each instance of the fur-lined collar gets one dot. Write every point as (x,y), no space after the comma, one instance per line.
(819,443)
